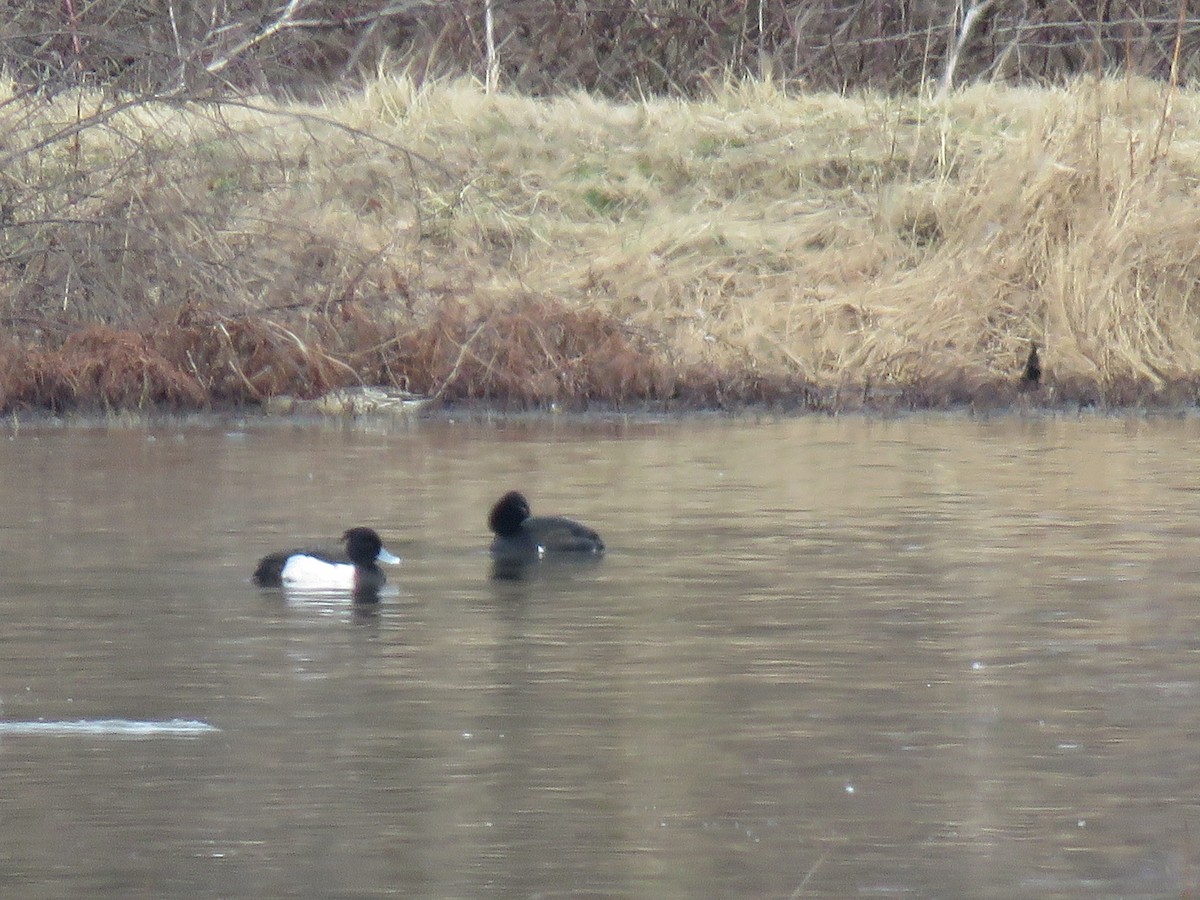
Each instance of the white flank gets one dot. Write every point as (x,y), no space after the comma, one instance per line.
(309,573)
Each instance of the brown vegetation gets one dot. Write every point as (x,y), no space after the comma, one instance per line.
(759,246)
(616,48)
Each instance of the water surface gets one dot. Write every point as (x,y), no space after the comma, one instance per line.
(928,657)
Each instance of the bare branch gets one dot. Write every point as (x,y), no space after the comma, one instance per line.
(493,64)
(970,20)
(285,20)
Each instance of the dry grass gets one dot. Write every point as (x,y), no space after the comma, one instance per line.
(808,250)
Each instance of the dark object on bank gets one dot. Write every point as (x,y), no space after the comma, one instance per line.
(1031,375)
(524,537)
(356,570)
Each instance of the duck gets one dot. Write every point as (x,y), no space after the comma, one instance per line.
(1031,374)
(356,570)
(520,535)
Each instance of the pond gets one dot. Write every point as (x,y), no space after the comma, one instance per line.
(932,656)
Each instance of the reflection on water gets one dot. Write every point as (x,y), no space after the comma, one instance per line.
(928,657)
(550,568)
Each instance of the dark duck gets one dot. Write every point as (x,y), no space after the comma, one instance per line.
(521,536)
(1031,374)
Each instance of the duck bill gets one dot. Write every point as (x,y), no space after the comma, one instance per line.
(385,557)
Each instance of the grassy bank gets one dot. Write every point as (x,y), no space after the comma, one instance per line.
(813,251)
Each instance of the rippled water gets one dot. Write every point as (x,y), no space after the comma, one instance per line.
(926,657)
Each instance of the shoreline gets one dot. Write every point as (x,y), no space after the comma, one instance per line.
(485,415)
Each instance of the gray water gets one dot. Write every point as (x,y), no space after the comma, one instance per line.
(928,657)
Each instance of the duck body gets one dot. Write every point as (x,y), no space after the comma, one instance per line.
(520,535)
(1031,374)
(356,570)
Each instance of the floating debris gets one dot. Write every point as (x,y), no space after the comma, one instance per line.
(359,401)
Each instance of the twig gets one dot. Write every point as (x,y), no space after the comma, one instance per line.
(795,895)
(285,20)
(73,24)
(254,392)
(462,354)
(79,125)
(492,77)
(1173,84)
(181,81)
(313,352)
(970,19)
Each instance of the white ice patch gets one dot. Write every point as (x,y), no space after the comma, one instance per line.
(115,727)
